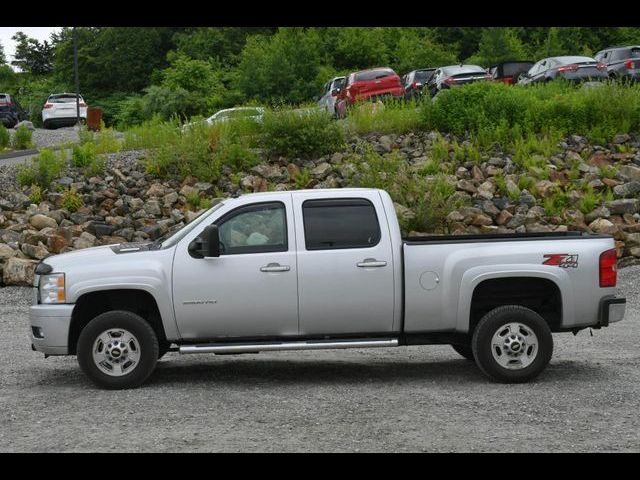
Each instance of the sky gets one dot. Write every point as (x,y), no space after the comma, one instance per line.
(39,33)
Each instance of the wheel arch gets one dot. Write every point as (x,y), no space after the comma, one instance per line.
(548,293)
(93,303)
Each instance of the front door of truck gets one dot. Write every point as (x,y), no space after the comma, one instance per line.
(345,264)
(251,289)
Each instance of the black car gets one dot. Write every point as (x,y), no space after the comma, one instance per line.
(572,68)
(509,72)
(414,81)
(623,63)
(10,110)
(455,75)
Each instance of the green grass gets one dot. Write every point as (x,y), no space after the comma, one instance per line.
(392,116)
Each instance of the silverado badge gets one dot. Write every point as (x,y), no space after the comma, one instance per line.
(563,260)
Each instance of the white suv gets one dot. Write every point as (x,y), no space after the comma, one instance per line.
(60,110)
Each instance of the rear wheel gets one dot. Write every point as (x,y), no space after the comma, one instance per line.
(118,350)
(512,344)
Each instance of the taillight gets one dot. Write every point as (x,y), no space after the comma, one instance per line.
(568,68)
(48,105)
(601,66)
(608,268)
(450,81)
(82,104)
(630,65)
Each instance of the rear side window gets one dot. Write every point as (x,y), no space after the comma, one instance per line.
(340,223)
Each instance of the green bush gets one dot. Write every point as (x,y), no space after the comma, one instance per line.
(43,170)
(388,117)
(22,138)
(5,138)
(71,200)
(493,110)
(82,155)
(301,134)
(35,196)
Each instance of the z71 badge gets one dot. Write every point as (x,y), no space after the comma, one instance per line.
(564,260)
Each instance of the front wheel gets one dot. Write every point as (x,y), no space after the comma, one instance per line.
(512,344)
(118,350)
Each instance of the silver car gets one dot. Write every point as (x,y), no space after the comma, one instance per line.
(329,94)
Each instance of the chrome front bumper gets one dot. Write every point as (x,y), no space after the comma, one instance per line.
(50,328)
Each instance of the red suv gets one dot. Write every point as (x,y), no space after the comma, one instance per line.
(372,84)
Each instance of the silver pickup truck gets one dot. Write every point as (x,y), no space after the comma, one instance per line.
(320,269)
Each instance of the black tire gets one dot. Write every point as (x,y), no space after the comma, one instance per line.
(465,350)
(145,336)
(491,324)
(47,125)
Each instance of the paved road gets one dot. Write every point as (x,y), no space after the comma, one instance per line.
(403,399)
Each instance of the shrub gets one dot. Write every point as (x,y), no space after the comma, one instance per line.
(236,156)
(35,196)
(43,170)
(5,138)
(96,167)
(494,111)
(72,200)
(303,134)
(22,138)
(392,116)
(82,155)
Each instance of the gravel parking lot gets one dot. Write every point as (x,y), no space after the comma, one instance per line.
(404,399)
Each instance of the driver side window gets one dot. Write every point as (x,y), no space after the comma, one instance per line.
(256,228)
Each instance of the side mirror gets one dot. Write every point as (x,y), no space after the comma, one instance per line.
(335,92)
(207,244)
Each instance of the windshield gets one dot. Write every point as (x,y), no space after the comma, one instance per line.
(174,236)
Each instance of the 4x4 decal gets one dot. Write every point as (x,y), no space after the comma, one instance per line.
(564,260)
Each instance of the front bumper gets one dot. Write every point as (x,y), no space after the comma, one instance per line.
(50,328)
(612,310)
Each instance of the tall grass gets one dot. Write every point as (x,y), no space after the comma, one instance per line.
(497,112)
(393,116)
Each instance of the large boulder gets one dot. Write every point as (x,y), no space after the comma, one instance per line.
(40,221)
(19,271)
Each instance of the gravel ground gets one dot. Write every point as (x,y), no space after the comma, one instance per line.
(403,399)
(43,138)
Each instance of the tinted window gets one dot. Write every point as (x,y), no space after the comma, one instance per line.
(423,76)
(634,53)
(254,228)
(339,83)
(570,60)
(67,98)
(345,223)
(373,74)
(514,68)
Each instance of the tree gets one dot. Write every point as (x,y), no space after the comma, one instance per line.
(283,67)
(499,44)
(31,55)
(3,59)
(412,52)
(553,45)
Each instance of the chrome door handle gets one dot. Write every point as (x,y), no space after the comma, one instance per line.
(275,267)
(371,262)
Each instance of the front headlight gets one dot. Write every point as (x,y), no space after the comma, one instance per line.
(52,288)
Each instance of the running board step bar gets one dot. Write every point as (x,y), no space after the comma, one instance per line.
(280,346)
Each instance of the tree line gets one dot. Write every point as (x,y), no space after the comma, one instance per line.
(135,73)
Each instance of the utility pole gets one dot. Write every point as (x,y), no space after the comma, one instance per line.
(75,68)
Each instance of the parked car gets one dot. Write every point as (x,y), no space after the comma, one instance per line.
(60,110)
(369,85)
(623,63)
(571,68)
(320,269)
(330,92)
(415,81)
(454,76)
(509,72)
(230,114)
(10,110)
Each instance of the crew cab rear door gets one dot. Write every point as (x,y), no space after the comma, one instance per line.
(345,263)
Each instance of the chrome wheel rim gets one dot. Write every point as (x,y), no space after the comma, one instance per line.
(116,352)
(514,346)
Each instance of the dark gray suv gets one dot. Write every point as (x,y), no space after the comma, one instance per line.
(623,63)
(10,110)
